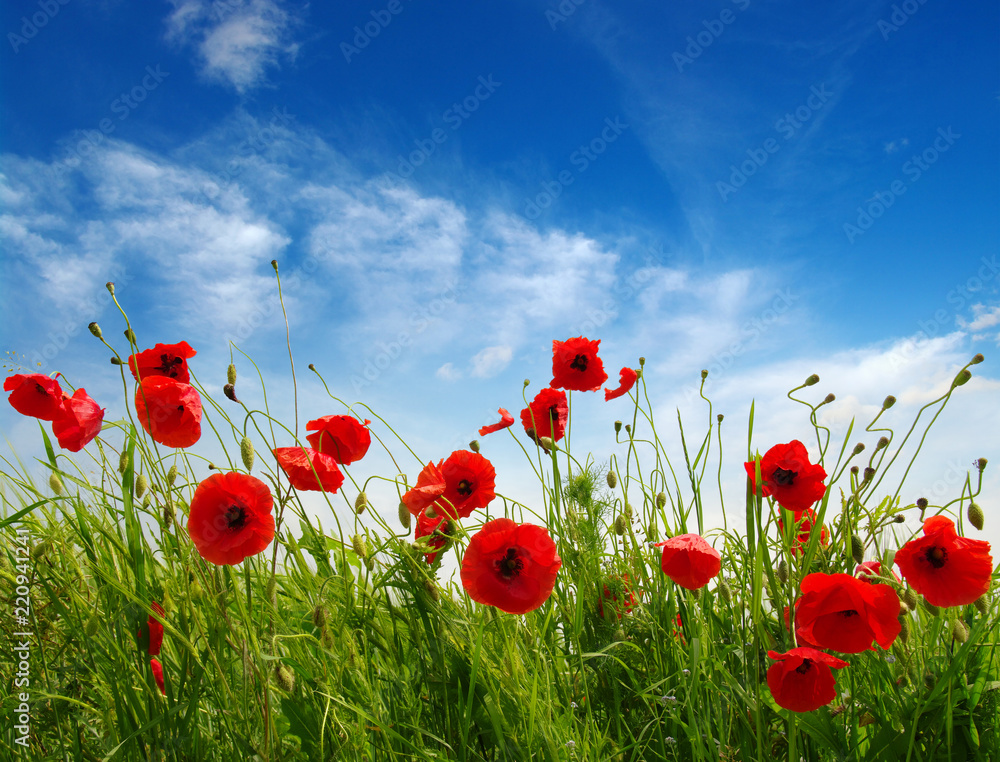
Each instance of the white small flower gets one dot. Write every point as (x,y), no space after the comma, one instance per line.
(687,672)
(890,658)
(670,741)
(571,744)
(573,704)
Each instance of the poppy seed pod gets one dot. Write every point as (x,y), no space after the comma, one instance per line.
(618,426)
(231,374)
(975,515)
(812,380)
(962,378)
(110,286)
(474,445)
(858,448)
(981,464)
(95,329)
(882,443)
(978,358)
(888,402)
(829,398)
(720,417)
(274,264)
(642,361)
(704,374)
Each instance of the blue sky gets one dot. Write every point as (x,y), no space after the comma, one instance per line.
(763,189)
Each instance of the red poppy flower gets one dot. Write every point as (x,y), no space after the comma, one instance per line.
(946,569)
(842,613)
(78,421)
(802,640)
(789,477)
(168,360)
(151,633)
(430,486)
(169,411)
(342,437)
(506,421)
(801,679)
(510,566)
(619,595)
(689,561)
(154,664)
(546,415)
(871,571)
(627,378)
(230,517)
(303,464)
(427,527)
(34,394)
(576,366)
(469,480)
(804,522)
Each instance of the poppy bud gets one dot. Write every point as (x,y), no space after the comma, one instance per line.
(782,571)
(982,606)
(431,589)
(55,484)
(547,444)
(962,378)
(812,380)
(888,402)
(110,286)
(430,513)
(272,592)
(93,625)
(904,628)
(618,426)
(141,485)
(858,448)
(230,391)
(319,616)
(975,514)
(168,513)
(910,598)
(147,501)
(855,470)
(197,592)
(981,464)
(116,361)
(246,452)
(360,502)
(359,545)
(283,675)
(704,374)
(661,499)
(857,549)
(899,518)
(931,608)
(404,516)
(959,631)
(628,511)
(231,373)
(95,329)
(274,264)
(312,367)
(130,336)
(620,525)
(719,417)
(612,480)
(869,472)
(882,443)
(978,358)
(725,591)
(474,445)
(527,382)
(829,398)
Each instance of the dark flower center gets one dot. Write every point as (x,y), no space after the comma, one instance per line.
(579,363)
(554,413)
(510,565)
(465,488)
(41,389)
(804,667)
(849,613)
(236,517)
(168,365)
(936,556)
(180,408)
(784,477)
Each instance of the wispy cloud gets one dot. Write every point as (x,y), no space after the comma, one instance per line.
(236,41)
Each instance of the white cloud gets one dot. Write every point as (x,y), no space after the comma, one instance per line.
(237,41)
(448,372)
(490,361)
(983,317)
